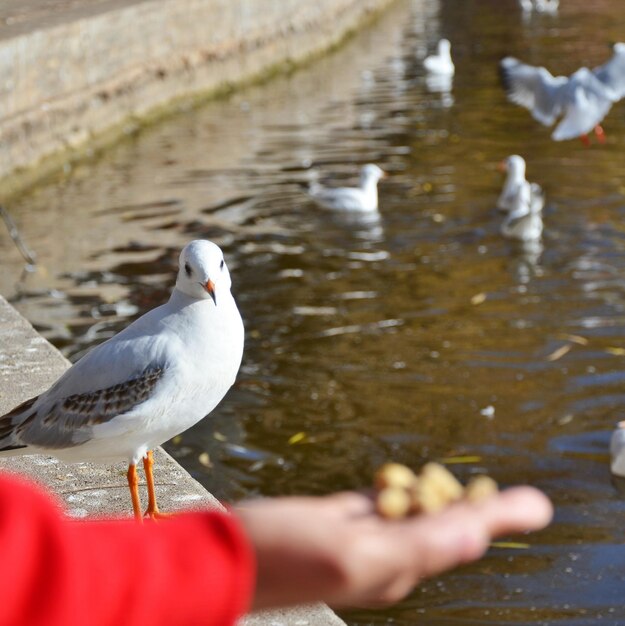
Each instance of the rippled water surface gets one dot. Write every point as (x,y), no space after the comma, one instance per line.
(415,336)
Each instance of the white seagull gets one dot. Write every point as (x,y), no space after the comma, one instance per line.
(581,101)
(362,198)
(510,195)
(153,380)
(440,63)
(617,450)
(540,6)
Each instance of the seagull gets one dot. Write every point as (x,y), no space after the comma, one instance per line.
(617,450)
(581,101)
(440,63)
(514,166)
(540,6)
(150,382)
(362,198)
(524,222)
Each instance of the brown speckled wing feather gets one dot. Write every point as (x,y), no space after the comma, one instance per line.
(69,421)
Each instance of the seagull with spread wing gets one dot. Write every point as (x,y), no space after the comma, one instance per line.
(156,378)
(580,101)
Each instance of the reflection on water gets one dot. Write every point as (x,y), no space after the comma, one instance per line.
(419,334)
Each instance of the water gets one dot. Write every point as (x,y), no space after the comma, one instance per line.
(417,336)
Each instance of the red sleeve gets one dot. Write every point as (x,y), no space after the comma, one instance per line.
(197,568)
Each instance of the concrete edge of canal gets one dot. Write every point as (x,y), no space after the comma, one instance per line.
(77,79)
(28,366)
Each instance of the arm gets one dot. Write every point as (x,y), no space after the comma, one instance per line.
(193,569)
(338,550)
(198,567)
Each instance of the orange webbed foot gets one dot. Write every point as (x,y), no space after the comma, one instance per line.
(157,515)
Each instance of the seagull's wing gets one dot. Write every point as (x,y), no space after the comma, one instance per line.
(111,380)
(586,103)
(612,73)
(58,423)
(533,88)
(537,198)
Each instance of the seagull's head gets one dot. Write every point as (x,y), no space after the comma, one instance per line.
(618,47)
(444,46)
(371,172)
(514,165)
(202,271)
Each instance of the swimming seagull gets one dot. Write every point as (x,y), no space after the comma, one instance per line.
(581,101)
(617,450)
(540,6)
(362,198)
(440,63)
(153,380)
(514,166)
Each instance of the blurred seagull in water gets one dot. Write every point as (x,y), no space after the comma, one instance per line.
(581,101)
(617,450)
(153,380)
(516,186)
(540,6)
(440,63)
(362,198)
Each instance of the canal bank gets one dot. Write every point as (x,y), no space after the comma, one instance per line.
(78,75)
(28,366)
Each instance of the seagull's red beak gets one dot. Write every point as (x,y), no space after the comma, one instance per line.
(210,290)
(502,166)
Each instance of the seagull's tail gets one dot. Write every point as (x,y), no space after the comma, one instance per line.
(8,422)
(11,450)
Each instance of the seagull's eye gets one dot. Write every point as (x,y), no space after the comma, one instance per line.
(188,270)
(221,265)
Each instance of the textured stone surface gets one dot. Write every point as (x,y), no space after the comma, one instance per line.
(82,69)
(28,365)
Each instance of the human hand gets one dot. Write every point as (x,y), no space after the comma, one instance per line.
(336,549)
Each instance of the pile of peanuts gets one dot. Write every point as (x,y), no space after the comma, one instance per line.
(400,492)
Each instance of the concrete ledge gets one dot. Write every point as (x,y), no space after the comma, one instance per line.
(101,66)
(28,366)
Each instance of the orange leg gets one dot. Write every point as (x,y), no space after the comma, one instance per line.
(152,510)
(585,140)
(600,133)
(133,484)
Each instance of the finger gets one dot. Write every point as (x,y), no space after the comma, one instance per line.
(463,532)
(442,542)
(517,509)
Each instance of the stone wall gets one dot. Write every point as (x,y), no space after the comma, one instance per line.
(65,83)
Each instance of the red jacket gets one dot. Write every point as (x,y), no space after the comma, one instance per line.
(196,568)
